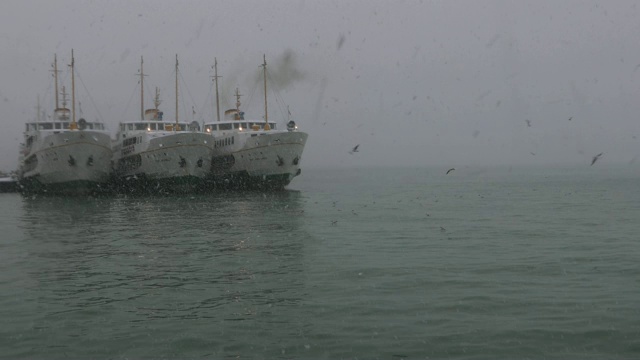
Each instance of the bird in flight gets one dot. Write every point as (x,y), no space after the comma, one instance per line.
(354,150)
(450,170)
(595,158)
(528,122)
(571,117)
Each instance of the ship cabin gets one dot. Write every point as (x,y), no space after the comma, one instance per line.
(153,122)
(239,126)
(234,120)
(155,126)
(60,126)
(62,122)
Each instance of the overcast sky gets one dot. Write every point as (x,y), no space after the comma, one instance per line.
(414,83)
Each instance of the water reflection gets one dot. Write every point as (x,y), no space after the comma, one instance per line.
(157,262)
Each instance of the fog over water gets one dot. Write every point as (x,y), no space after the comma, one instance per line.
(415,83)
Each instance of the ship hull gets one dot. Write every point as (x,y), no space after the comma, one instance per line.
(175,163)
(74,162)
(266,161)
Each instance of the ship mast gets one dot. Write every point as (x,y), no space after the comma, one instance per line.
(264,69)
(64,98)
(215,77)
(141,88)
(73,125)
(156,101)
(176,91)
(238,104)
(55,76)
(38,109)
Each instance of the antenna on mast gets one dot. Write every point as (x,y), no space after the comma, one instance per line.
(141,88)
(64,97)
(73,124)
(55,76)
(215,78)
(38,109)
(238,99)
(176,91)
(264,70)
(156,100)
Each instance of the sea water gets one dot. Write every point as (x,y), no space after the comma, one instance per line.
(386,263)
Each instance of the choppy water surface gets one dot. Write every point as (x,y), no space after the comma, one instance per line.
(365,263)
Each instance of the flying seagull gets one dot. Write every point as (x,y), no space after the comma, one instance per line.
(571,117)
(595,158)
(354,150)
(528,122)
(450,170)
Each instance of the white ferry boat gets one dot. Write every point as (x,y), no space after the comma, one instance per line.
(60,155)
(253,154)
(153,155)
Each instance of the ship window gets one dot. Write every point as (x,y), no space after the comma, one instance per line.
(58,126)
(140,126)
(232,141)
(65,125)
(130,126)
(226,126)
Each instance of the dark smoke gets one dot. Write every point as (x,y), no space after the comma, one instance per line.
(284,70)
